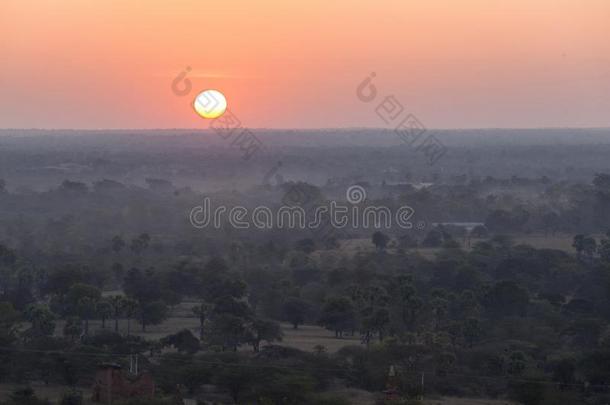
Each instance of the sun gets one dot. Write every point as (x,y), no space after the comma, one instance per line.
(210,104)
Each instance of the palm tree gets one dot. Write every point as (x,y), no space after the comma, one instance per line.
(117,302)
(104,310)
(578,244)
(201,311)
(130,307)
(117,244)
(86,309)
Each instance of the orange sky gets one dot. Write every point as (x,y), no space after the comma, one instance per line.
(454,64)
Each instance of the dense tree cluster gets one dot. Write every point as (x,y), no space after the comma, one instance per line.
(497,318)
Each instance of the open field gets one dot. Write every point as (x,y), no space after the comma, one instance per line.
(538,241)
(52,392)
(467,401)
(542,241)
(303,338)
(355,396)
(308,336)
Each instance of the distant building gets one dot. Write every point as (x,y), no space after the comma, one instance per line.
(160,185)
(469,226)
(391,392)
(407,185)
(111,384)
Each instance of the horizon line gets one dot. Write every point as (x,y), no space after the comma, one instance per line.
(314,129)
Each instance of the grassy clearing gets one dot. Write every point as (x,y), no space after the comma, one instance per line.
(538,241)
(308,336)
(467,401)
(303,338)
(52,392)
(558,241)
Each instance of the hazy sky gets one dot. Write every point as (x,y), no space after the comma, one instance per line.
(470,63)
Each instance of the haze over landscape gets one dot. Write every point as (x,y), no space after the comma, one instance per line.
(396,202)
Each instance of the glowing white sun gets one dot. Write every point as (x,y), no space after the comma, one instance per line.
(210,104)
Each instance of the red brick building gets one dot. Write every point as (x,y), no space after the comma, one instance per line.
(111,383)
